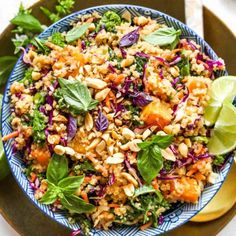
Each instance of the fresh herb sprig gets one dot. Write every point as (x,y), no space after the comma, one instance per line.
(74,97)
(150,160)
(63,187)
(39,125)
(62,8)
(164,37)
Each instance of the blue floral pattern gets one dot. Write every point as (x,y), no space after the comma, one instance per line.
(173,218)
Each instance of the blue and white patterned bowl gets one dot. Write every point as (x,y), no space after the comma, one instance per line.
(175,217)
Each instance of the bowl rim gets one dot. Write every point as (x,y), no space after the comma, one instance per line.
(76,14)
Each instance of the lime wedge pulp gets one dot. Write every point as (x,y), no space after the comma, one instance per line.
(4,169)
(222,90)
(223,139)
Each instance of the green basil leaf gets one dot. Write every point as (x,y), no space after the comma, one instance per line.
(77,96)
(51,195)
(84,166)
(76,32)
(150,162)
(144,190)
(167,36)
(145,144)
(76,204)
(57,169)
(40,45)
(28,22)
(70,184)
(163,141)
(7,64)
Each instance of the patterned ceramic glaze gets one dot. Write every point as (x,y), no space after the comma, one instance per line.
(180,213)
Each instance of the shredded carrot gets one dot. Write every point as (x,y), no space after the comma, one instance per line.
(146,226)
(112,95)
(91,158)
(107,102)
(191,172)
(9,136)
(200,176)
(87,179)
(119,79)
(89,20)
(85,196)
(33,177)
(79,45)
(114,205)
(155,184)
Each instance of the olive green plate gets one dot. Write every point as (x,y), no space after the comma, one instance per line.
(28,220)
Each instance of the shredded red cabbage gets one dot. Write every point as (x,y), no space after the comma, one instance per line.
(49,100)
(23,57)
(212,63)
(192,45)
(101,122)
(63,141)
(168,177)
(141,99)
(161,74)
(142,54)
(175,81)
(111,68)
(111,180)
(130,38)
(119,108)
(75,232)
(83,45)
(102,191)
(123,52)
(71,128)
(132,171)
(175,60)
(160,220)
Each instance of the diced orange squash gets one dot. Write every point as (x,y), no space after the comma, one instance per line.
(41,155)
(196,83)
(185,189)
(157,113)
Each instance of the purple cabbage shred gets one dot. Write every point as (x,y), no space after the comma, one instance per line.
(141,99)
(123,53)
(111,180)
(111,68)
(130,38)
(101,122)
(75,232)
(71,128)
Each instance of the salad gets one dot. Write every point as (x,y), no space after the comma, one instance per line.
(109,119)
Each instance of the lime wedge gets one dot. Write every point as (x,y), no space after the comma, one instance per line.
(223,89)
(223,139)
(4,169)
(212,111)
